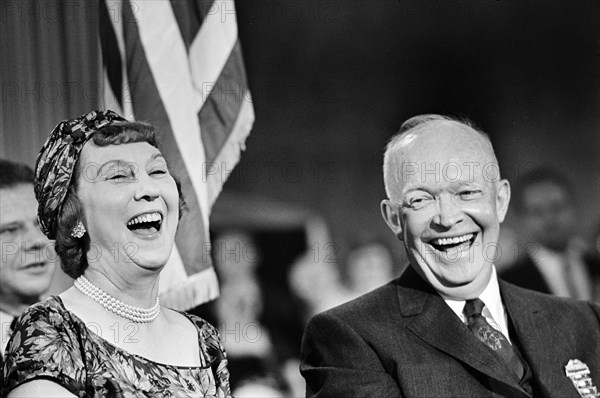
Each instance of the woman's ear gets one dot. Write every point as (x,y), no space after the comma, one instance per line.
(391,216)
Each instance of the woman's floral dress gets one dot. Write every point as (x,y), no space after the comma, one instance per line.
(51,343)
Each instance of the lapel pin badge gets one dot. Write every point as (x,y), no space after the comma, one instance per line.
(579,373)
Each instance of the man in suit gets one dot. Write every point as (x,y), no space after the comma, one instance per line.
(28,259)
(556,261)
(448,327)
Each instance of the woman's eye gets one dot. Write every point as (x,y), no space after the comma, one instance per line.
(120,177)
(158,172)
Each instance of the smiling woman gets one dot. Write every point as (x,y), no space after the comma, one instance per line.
(107,196)
(108,163)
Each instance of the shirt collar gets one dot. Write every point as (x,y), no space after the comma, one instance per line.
(494,309)
(5,332)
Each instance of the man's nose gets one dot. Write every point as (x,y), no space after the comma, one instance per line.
(448,212)
(34,238)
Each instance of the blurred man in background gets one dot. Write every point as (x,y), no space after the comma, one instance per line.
(28,259)
(369,265)
(556,261)
(250,350)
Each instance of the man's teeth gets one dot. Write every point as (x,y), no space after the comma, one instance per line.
(148,217)
(452,241)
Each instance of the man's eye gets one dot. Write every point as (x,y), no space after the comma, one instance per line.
(10,230)
(420,202)
(470,194)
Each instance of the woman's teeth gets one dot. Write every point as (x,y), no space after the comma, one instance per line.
(144,218)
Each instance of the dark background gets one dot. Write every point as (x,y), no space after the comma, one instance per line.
(332,80)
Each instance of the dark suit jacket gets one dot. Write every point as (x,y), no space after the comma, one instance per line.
(402,340)
(524,273)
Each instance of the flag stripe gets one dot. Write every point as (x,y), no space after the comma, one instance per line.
(110,54)
(148,106)
(219,113)
(189,15)
(212,47)
(230,151)
(110,100)
(118,12)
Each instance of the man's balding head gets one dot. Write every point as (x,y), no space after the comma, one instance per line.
(438,127)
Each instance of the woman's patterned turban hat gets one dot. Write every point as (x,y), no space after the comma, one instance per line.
(56,162)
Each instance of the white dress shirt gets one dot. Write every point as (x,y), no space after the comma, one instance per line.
(565,273)
(494,311)
(5,321)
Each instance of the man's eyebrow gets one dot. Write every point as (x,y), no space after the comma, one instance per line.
(414,188)
(469,183)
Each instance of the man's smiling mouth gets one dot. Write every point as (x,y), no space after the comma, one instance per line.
(455,242)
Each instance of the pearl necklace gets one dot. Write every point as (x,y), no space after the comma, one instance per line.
(135,314)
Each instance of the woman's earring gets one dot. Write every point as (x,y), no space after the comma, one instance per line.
(78,230)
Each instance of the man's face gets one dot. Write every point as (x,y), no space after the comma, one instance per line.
(369,267)
(449,205)
(28,259)
(549,214)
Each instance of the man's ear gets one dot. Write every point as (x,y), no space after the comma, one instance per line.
(391,216)
(502,199)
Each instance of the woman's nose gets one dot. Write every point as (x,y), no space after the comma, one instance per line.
(147,188)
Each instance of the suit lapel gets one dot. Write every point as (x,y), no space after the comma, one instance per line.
(532,329)
(429,317)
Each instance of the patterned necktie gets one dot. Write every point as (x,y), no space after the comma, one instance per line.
(491,337)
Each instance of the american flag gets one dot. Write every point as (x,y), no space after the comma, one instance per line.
(178,65)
